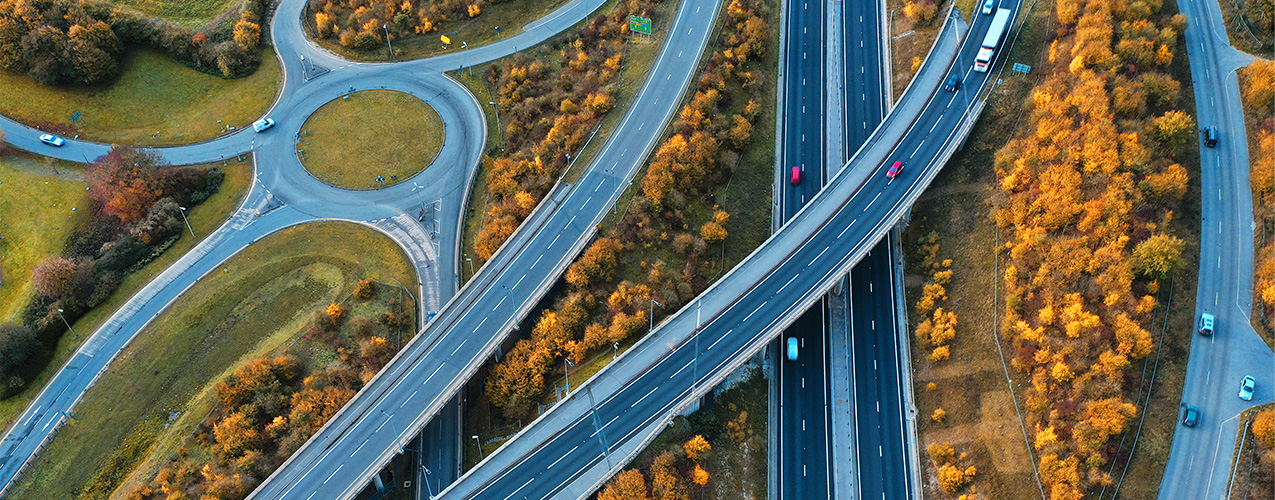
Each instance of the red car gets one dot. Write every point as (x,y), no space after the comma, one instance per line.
(894,170)
(796,175)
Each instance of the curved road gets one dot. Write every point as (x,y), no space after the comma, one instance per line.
(422,213)
(1199,464)
(570,450)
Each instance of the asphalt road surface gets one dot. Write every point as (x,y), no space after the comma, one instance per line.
(1199,464)
(394,406)
(878,386)
(422,214)
(571,449)
(804,397)
(802,432)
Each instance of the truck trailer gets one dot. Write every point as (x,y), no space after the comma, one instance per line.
(994,34)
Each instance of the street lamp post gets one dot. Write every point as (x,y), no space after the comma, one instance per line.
(395,429)
(187,221)
(471,265)
(566,365)
(425,478)
(386,27)
(68,325)
(616,347)
(651,326)
(480,446)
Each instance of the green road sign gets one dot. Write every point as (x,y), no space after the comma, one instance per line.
(640,25)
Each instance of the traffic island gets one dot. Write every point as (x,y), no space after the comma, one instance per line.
(370,139)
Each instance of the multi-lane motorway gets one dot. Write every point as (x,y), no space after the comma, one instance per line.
(572,448)
(395,405)
(1199,464)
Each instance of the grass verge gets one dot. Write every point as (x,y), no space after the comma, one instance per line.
(160,389)
(204,218)
(156,101)
(195,14)
(910,42)
(638,60)
(42,201)
(1241,35)
(407,136)
(736,467)
(475,32)
(1247,483)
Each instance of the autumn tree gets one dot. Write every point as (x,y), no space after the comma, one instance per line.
(699,476)
(697,447)
(55,276)
(666,481)
(627,485)
(364,289)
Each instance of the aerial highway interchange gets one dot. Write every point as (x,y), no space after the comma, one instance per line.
(833,224)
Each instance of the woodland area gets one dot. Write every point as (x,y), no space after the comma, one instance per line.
(63,42)
(364,24)
(1088,192)
(676,210)
(270,407)
(1257,89)
(549,101)
(718,452)
(135,215)
(1261,480)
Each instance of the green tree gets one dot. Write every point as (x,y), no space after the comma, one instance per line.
(1174,128)
(1158,256)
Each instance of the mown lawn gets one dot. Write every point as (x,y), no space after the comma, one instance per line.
(156,101)
(398,136)
(204,218)
(193,13)
(38,210)
(160,389)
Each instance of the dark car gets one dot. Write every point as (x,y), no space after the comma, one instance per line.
(894,170)
(1191,416)
(796,176)
(1210,136)
(953,82)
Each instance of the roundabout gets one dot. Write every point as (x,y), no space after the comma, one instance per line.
(370,139)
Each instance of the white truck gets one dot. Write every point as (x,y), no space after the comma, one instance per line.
(994,33)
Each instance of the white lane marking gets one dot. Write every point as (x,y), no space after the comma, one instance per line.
(524,485)
(555,462)
(502,301)
(519,281)
(788,283)
(825,249)
(462,344)
(635,403)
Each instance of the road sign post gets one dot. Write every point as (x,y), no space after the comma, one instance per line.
(640,25)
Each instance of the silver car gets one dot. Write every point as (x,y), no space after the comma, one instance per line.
(52,140)
(1247,385)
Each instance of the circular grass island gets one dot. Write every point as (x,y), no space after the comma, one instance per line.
(370,139)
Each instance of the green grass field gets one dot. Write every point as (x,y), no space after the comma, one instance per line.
(204,218)
(260,300)
(155,101)
(38,210)
(396,136)
(193,13)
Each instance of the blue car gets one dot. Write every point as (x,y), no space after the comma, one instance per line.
(792,348)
